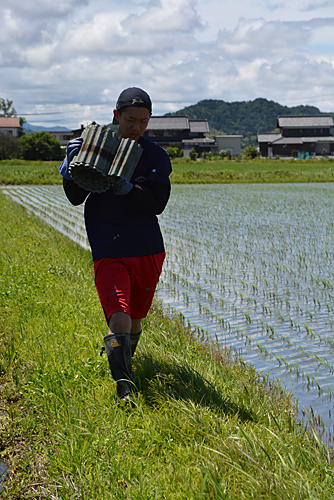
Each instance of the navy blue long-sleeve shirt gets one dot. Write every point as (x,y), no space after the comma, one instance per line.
(127,225)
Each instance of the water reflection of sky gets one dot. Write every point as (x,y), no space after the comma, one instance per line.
(3,473)
(252,265)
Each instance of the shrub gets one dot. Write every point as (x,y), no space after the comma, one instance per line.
(173,153)
(251,152)
(192,154)
(41,146)
(180,161)
(211,156)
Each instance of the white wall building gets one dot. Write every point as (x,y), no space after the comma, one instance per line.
(10,126)
(230,143)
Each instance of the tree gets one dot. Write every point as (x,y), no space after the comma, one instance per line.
(246,118)
(21,130)
(9,146)
(6,108)
(41,146)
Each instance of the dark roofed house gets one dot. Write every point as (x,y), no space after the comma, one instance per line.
(198,127)
(307,123)
(180,132)
(299,134)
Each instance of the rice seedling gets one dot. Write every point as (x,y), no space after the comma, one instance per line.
(260,242)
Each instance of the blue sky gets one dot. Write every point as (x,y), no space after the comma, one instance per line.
(64,62)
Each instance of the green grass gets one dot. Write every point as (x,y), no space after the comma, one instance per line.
(29,172)
(252,171)
(206,426)
(190,172)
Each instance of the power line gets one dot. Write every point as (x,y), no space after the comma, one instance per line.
(99,105)
(92,105)
(310,97)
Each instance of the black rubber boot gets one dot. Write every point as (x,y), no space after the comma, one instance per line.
(118,349)
(134,341)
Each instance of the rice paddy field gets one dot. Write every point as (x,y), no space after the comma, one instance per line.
(251,267)
(239,170)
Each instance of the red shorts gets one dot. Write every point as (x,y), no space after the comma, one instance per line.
(127,284)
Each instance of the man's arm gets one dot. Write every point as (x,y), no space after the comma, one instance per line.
(150,197)
(75,194)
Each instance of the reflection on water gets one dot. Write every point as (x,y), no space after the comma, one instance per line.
(3,475)
(252,265)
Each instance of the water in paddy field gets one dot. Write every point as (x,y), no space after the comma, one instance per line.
(3,474)
(252,265)
(51,204)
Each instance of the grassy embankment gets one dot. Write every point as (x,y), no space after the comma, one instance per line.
(206,425)
(188,172)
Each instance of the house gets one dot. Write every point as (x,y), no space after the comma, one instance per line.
(299,134)
(10,126)
(67,135)
(230,143)
(179,132)
(63,137)
(187,134)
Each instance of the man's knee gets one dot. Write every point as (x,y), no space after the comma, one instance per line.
(120,322)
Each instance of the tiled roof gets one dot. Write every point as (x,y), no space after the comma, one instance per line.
(318,139)
(199,126)
(199,140)
(168,123)
(278,139)
(268,137)
(305,121)
(288,140)
(9,122)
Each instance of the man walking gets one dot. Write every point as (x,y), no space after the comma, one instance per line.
(125,237)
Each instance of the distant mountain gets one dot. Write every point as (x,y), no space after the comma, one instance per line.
(28,128)
(246,118)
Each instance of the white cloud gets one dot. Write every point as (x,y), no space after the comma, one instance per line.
(165,16)
(317,5)
(257,37)
(83,52)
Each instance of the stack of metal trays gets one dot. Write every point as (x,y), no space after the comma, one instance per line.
(103,156)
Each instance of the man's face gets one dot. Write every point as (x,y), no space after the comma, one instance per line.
(132,122)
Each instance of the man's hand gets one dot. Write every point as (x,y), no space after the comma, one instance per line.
(120,187)
(72,149)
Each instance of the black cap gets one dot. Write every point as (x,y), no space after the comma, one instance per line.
(133,96)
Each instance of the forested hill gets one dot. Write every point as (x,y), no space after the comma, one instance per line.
(246,118)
